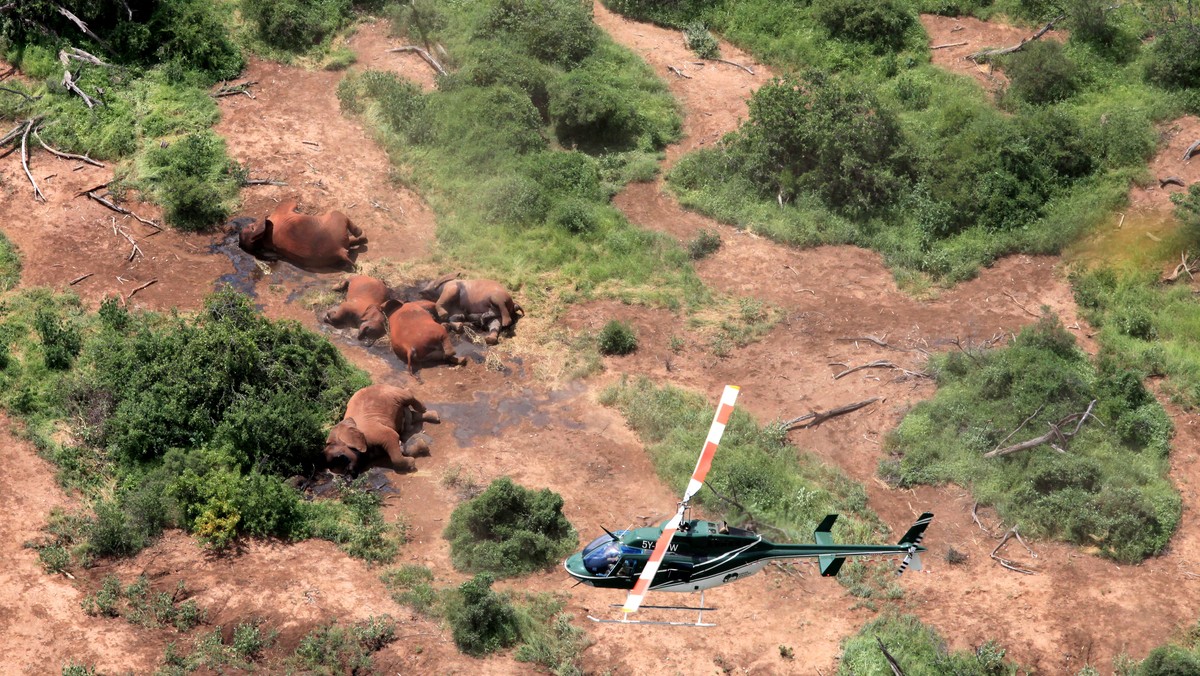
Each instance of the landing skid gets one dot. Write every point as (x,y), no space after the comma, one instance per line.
(698,623)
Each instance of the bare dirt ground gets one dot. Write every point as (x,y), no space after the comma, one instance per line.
(978,35)
(1078,608)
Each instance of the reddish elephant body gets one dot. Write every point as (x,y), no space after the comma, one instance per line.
(363,307)
(379,418)
(418,337)
(460,299)
(319,242)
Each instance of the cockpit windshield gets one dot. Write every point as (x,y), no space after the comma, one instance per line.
(602,555)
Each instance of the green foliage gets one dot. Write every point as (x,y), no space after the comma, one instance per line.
(509,530)
(557,32)
(700,41)
(193,178)
(412,585)
(1041,73)
(295,25)
(826,136)
(618,337)
(482,621)
(138,605)
(1109,490)
(249,640)
(1174,55)
(783,488)
(10,266)
(334,649)
(878,22)
(1170,660)
(919,648)
(704,244)
(60,342)
(73,668)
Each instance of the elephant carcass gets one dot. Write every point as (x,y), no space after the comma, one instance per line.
(379,418)
(311,242)
(363,307)
(458,300)
(416,336)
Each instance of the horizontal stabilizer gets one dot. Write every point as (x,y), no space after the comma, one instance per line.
(830,564)
(911,561)
(823,535)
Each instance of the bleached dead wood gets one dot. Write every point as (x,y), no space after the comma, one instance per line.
(1056,434)
(117,208)
(1171,180)
(65,156)
(79,22)
(423,54)
(882,364)
(37,192)
(1006,562)
(1185,265)
(153,281)
(989,53)
(235,89)
(734,63)
(678,72)
(79,279)
(815,418)
(948,45)
(1187,154)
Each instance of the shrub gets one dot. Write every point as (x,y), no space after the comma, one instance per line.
(1169,660)
(10,265)
(878,22)
(193,178)
(1174,60)
(560,32)
(700,41)
(60,342)
(704,244)
(589,110)
(574,215)
(509,530)
(919,648)
(1042,73)
(336,649)
(618,337)
(249,640)
(295,25)
(192,35)
(483,621)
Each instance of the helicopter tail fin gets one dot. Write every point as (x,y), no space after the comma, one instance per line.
(917,532)
(830,564)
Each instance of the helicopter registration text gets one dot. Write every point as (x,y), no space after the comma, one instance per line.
(646,544)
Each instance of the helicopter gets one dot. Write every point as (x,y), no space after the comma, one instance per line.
(690,555)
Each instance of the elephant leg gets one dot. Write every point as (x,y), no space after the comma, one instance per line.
(448,350)
(493,335)
(506,319)
(342,286)
(401,462)
(346,261)
(354,229)
(448,298)
(356,242)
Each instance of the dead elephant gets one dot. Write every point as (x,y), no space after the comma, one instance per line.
(416,336)
(362,308)
(460,300)
(379,418)
(311,242)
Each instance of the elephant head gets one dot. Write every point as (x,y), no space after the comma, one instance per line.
(374,324)
(344,446)
(254,238)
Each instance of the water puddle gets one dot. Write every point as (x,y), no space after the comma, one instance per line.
(1133,241)
(493,412)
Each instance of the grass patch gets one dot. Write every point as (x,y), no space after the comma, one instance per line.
(171,421)
(1108,490)
(139,605)
(483,620)
(919,649)
(520,149)
(509,530)
(785,489)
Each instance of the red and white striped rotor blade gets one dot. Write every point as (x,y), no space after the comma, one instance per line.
(715,431)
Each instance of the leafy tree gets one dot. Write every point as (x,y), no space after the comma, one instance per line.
(878,22)
(1042,73)
(509,530)
(296,25)
(560,32)
(828,136)
(1175,53)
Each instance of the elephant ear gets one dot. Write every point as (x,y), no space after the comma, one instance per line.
(349,422)
(390,305)
(432,288)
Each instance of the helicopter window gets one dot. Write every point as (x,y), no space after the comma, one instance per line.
(602,557)
(602,540)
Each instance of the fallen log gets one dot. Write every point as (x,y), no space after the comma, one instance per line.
(262,181)
(948,45)
(678,72)
(815,418)
(1187,154)
(37,192)
(118,208)
(82,26)
(233,90)
(1171,180)
(1185,265)
(1056,433)
(734,63)
(153,281)
(989,53)
(882,364)
(424,55)
(80,278)
(65,156)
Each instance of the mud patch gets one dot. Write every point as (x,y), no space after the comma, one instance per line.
(491,413)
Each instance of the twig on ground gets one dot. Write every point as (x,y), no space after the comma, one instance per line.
(64,155)
(734,63)
(1029,312)
(1005,562)
(989,53)
(883,364)
(37,192)
(948,45)
(975,515)
(678,72)
(235,89)
(137,250)
(116,207)
(262,181)
(153,281)
(815,418)
(80,278)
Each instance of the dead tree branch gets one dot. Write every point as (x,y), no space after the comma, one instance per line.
(678,72)
(989,53)
(975,515)
(1186,264)
(1172,180)
(80,55)
(80,278)
(137,250)
(262,181)
(1007,563)
(37,192)
(65,156)
(896,670)
(1187,154)
(118,208)
(752,523)
(948,45)
(883,364)
(424,55)
(815,418)
(734,63)
(82,26)
(1023,423)
(20,93)
(153,281)
(1056,434)
(235,89)
(1029,312)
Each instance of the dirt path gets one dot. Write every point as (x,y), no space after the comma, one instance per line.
(1079,609)
(949,32)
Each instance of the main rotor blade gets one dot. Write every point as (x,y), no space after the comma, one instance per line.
(715,432)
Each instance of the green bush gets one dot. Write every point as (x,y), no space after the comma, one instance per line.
(1170,660)
(559,32)
(704,244)
(574,215)
(334,649)
(919,648)
(618,337)
(509,530)
(60,342)
(878,22)
(1042,73)
(193,178)
(483,621)
(1174,56)
(1108,490)
(295,25)
(700,41)
(10,266)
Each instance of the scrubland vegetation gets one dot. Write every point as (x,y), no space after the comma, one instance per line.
(1107,488)
(919,650)
(776,485)
(188,422)
(862,141)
